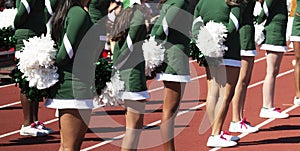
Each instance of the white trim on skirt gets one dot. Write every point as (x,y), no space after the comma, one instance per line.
(294,38)
(69,103)
(172,77)
(274,48)
(231,62)
(142,95)
(248,53)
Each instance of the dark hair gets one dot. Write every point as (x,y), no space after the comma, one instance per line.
(161,3)
(235,2)
(60,16)
(122,23)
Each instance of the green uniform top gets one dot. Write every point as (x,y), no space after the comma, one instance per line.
(219,12)
(98,9)
(173,27)
(72,84)
(276,15)
(177,21)
(131,62)
(247,28)
(276,10)
(29,20)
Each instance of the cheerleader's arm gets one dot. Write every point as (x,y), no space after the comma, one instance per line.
(172,11)
(77,23)
(267,6)
(50,8)
(197,23)
(23,11)
(234,19)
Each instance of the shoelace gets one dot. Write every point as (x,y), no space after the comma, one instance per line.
(244,123)
(277,109)
(33,125)
(36,124)
(224,133)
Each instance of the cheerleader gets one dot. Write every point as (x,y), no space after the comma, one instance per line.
(248,52)
(72,95)
(275,14)
(295,38)
(129,32)
(175,70)
(221,76)
(29,22)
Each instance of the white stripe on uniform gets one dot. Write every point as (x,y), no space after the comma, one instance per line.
(235,21)
(68,46)
(26,5)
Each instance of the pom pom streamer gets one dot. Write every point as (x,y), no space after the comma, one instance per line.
(211,38)
(259,33)
(110,94)
(36,62)
(7,17)
(153,54)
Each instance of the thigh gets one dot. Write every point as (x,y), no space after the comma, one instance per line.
(73,126)
(273,61)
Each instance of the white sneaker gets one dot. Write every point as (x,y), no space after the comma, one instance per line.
(229,137)
(296,101)
(40,125)
(31,131)
(217,141)
(242,126)
(272,113)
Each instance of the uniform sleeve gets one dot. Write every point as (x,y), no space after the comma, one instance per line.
(170,15)
(23,10)
(137,30)
(50,8)
(196,22)
(137,33)
(267,5)
(77,25)
(234,19)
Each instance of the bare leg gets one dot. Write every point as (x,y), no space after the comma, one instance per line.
(27,110)
(213,91)
(238,99)
(134,124)
(173,94)
(73,126)
(232,74)
(297,68)
(273,65)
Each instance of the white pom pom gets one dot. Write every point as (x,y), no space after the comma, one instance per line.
(257,8)
(259,34)
(211,39)
(110,94)
(7,17)
(153,54)
(36,62)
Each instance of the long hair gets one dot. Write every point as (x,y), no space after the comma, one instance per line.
(60,16)
(122,23)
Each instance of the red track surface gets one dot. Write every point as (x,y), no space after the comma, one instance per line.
(108,123)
